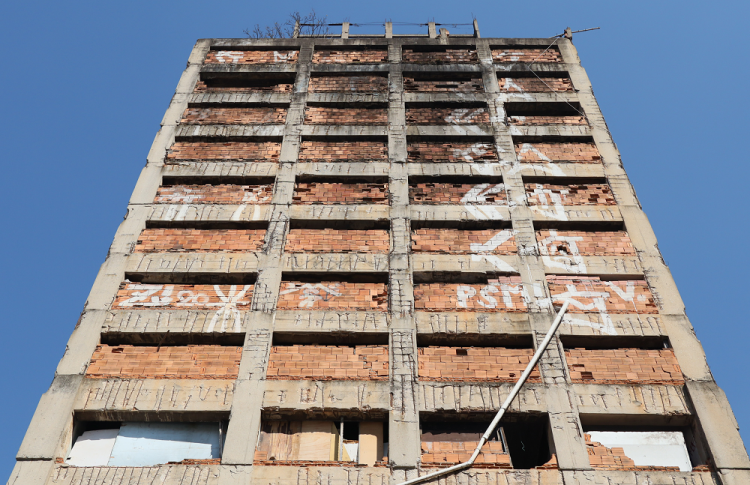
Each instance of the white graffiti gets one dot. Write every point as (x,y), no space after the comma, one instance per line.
(229,312)
(484,251)
(509,83)
(476,150)
(550,202)
(310,293)
(230,57)
(277,57)
(566,257)
(475,201)
(463,115)
(465,293)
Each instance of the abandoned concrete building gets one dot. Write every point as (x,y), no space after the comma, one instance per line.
(340,257)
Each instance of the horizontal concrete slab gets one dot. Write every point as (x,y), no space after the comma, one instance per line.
(622,399)
(348,262)
(479,397)
(163,475)
(173,321)
(456,323)
(593,265)
(239,98)
(344,130)
(449,130)
(216,168)
(240,68)
(624,324)
(340,212)
(550,130)
(446,97)
(583,213)
(208,212)
(187,131)
(347,98)
(475,263)
(459,213)
(193,262)
(330,321)
(359,169)
(333,475)
(306,395)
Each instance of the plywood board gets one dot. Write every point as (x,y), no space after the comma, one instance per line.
(370,442)
(315,441)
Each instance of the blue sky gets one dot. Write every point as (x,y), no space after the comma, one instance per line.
(85,86)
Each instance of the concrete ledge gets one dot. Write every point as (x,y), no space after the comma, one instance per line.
(550,130)
(445,97)
(311,397)
(238,98)
(479,397)
(459,213)
(359,169)
(163,475)
(208,212)
(475,263)
(482,323)
(186,131)
(333,475)
(631,399)
(172,321)
(218,168)
(348,97)
(449,130)
(192,263)
(242,68)
(593,265)
(354,69)
(330,321)
(631,325)
(348,262)
(340,212)
(583,213)
(344,130)
(607,477)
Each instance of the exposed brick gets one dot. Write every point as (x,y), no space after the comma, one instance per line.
(259,87)
(214,194)
(201,240)
(165,362)
(340,193)
(333,295)
(535,85)
(319,115)
(566,151)
(504,294)
(430,151)
(229,150)
(580,194)
(235,116)
(442,56)
(326,362)
(455,452)
(547,120)
(368,56)
(598,295)
(497,364)
(624,366)
(459,241)
(355,84)
(182,297)
(337,241)
(445,193)
(251,57)
(526,54)
(585,243)
(443,116)
(414,85)
(603,458)
(343,150)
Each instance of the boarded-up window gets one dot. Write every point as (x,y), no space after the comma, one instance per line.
(645,448)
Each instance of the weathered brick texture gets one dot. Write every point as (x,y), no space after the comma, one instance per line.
(214,194)
(603,458)
(547,120)
(182,297)
(630,366)
(535,85)
(590,294)
(229,150)
(369,56)
(235,116)
(251,57)
(165,362)
(443,56)
(201,240)
(443,116)
(460,241)
(343,150)
(340,193)
(585,243)
(443,193)
(324,362)
(430,151)
(414,85)
(337,241)
(319,115)
(497,364)
(566,151)
(356,84)
(333,295)
(583,194)
(455,452)
(260,87)
(526,54)
(504,294)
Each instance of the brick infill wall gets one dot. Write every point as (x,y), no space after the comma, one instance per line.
(165,362)
(355,84)
(445,56)
(327,151)
(473,85)
(200,240)
(350,56)
(580,194)
(333,295)
(526,54)
(460,241)
(497,364)
(451,152)
(503,294)
(447,193)
(251,57)
(443,116)
(182,297)
(603,458)
(235,116)
(558,152)
(327,362)
(340,193)
(547,120)
(590,294)
(585,243)
(281,87)
(455,452)
(319,115)
(214,194)
(624,366)
(337,241)
(534,85)
(267,151)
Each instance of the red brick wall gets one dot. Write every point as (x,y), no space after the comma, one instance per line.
(430,151)
(202,240)
(447,56)
(339,193)
(547,120)
(214,194)
(474,364)
(251,57)
(323,362)
(343,150)
(590,194)
(181,297)
(318,115)
(443,193)
(337,241)
(229,150)
(587,243)
(165,362)
(280,87)
(574,152)
(442,116)
(455,452)
(350,56)
(333,295)
(503,294)
(458,241)
(639,366)
(535,85)
(473,85)
(617,296)
(235,116)
(357,84)
(526,54)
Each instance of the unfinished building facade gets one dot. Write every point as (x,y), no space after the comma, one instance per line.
(341,255)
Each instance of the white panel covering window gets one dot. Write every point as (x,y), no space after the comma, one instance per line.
(648,448)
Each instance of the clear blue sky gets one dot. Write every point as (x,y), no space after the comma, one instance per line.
(85,85)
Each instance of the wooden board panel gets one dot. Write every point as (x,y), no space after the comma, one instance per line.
(315,441)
